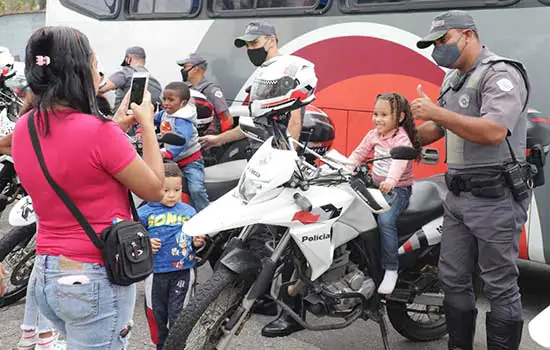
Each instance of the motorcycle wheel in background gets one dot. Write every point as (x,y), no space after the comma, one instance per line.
(17,252)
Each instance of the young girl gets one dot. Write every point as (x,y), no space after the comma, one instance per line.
(394,126)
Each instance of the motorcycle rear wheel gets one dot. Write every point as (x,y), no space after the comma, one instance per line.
(413,329)
(200,324)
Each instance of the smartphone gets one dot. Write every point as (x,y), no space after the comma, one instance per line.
(140,80)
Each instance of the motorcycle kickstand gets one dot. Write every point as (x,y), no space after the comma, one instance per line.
(384,331)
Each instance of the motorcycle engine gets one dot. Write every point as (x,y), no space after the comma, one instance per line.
(343,277)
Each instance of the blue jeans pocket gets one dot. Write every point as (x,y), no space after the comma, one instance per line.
(77,302)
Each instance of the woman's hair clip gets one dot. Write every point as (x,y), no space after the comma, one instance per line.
(43,60)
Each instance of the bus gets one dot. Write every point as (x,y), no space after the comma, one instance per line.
(359,48)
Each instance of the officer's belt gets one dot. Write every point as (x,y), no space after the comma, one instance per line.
(457,183)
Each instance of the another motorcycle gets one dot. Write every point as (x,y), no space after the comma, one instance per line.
(17,250)
(12,89)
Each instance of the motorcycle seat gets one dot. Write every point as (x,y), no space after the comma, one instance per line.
(425,205)
(221,178)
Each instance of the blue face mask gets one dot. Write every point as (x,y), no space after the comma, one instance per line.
(446,55)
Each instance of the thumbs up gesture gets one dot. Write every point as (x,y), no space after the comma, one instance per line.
(421,92)
(423,107)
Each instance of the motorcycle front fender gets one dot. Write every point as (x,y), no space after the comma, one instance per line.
(229,212)
(22,213)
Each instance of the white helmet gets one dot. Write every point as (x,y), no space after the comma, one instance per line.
(283,85)
(7,62)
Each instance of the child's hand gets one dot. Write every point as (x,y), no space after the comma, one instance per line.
(198,241)
(386,187)
(155,244)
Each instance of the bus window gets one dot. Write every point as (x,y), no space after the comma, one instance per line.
(163,8)
(100,9)
(249,8)
(407,5)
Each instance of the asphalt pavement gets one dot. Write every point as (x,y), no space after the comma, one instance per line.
(534,283)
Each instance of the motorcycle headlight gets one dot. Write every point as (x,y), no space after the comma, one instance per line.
(250,187)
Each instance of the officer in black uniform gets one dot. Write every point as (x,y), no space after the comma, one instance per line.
(482,112)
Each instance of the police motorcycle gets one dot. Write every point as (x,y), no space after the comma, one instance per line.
(330,235)
(12,86)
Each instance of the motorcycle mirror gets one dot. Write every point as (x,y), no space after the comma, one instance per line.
(404,153)
(171,138)
(251,130)
(239,111)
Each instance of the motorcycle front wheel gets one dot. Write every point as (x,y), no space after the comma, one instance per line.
(201,323)
(17,257)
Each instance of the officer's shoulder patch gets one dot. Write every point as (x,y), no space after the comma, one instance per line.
(218,93)
(505,85)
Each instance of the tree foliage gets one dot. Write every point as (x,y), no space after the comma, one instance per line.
(18,6)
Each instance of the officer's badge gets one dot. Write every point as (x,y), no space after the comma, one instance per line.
(464,101)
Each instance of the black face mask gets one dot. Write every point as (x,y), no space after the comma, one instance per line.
(184,74)
(257,56)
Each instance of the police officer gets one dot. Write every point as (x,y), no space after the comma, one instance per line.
(262,46)
(481,110)
(260,40)
(121,80)
(193,71)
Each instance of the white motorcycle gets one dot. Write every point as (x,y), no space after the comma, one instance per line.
(17,247)
(330,234)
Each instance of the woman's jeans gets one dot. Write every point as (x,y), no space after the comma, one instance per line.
(388,229)
(82,304)
(34,319)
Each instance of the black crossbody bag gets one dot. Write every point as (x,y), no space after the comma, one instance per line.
(125,246)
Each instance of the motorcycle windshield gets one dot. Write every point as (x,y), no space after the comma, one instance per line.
(266,171)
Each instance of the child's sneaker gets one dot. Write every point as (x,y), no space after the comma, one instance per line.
(51,343)
(28,340)
(388,283)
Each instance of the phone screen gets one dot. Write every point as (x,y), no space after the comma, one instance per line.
(138,89)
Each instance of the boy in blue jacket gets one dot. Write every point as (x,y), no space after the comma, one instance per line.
(174,260)
(180,116)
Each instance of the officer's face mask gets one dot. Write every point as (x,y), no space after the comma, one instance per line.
(257,56)
(446,55)
(185,73)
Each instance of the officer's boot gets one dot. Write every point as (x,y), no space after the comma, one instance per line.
(284,324)
(503,334)
(265,306)
(461,325)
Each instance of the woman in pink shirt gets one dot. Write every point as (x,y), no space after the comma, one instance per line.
(90,157)
(394,126)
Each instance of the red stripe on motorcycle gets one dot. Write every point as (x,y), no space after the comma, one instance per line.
(305,217)
(408,247)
